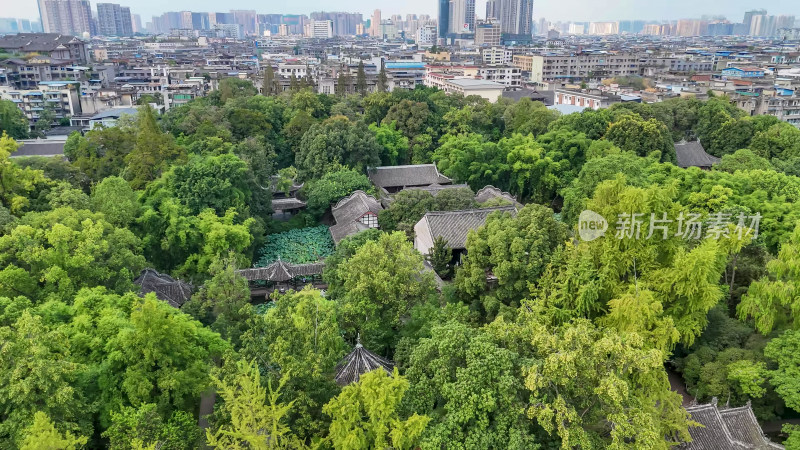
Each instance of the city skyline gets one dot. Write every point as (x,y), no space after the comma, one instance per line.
(565,10)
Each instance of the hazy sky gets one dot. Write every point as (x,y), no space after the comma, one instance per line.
(553,10)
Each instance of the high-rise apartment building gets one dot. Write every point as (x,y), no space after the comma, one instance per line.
(344,24)
(66,16)
(603,28)
(461,17)
(136,23)
(748,16)
(321,29)
(114,20)
(375,23)
(444,18)
(245,18)
(515,17)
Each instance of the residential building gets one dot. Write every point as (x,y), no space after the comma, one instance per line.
(66,16)
(489,90)
(56,46)
(114,20)
(342,23)
(461,18)
(494,56)
(375,23)
(743,72)
(584,66)
(603,28)
(426,35)
(110,117)
(593,99)
(487,33)
(515,18)
(29,74)
(59,97)
(321,29)
(785,108)
(508,76)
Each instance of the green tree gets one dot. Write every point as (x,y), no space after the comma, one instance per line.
(102,152)
(38,377)
(232,87)
(53,254)
(15,182)
(636,409)
(516,250)
(216,182)
(784,350)
(345,250)
(380,283)
(781,141)
(361,79)
(410,117)
(223,302)
(383,81)
(365,415)
(336,141)
(642,137)
(712,115)
(42,435)
(471,388)
(395,145)
(116,200)
(773,301)
(743,159)
(12,120)
(257,417)
(152,153)
(269,86)
(440,257)
(406,209)
(333,186)
(470,159)
(142,427)
(45,121)
(528,117)
(299,341)
(162,357)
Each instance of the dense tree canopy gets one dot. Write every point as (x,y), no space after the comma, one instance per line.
(534,337)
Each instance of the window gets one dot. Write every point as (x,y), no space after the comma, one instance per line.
(370,220)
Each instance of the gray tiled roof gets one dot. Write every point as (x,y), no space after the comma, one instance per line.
(281,204)
(453,226)
(490,192)
(743,426)
(726,429)
(357,363)
(281,271)
(43,147)
(34,42)
(115,113)
(175,292)
(692,154)
(436,188)
(348,210)
(411,175)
